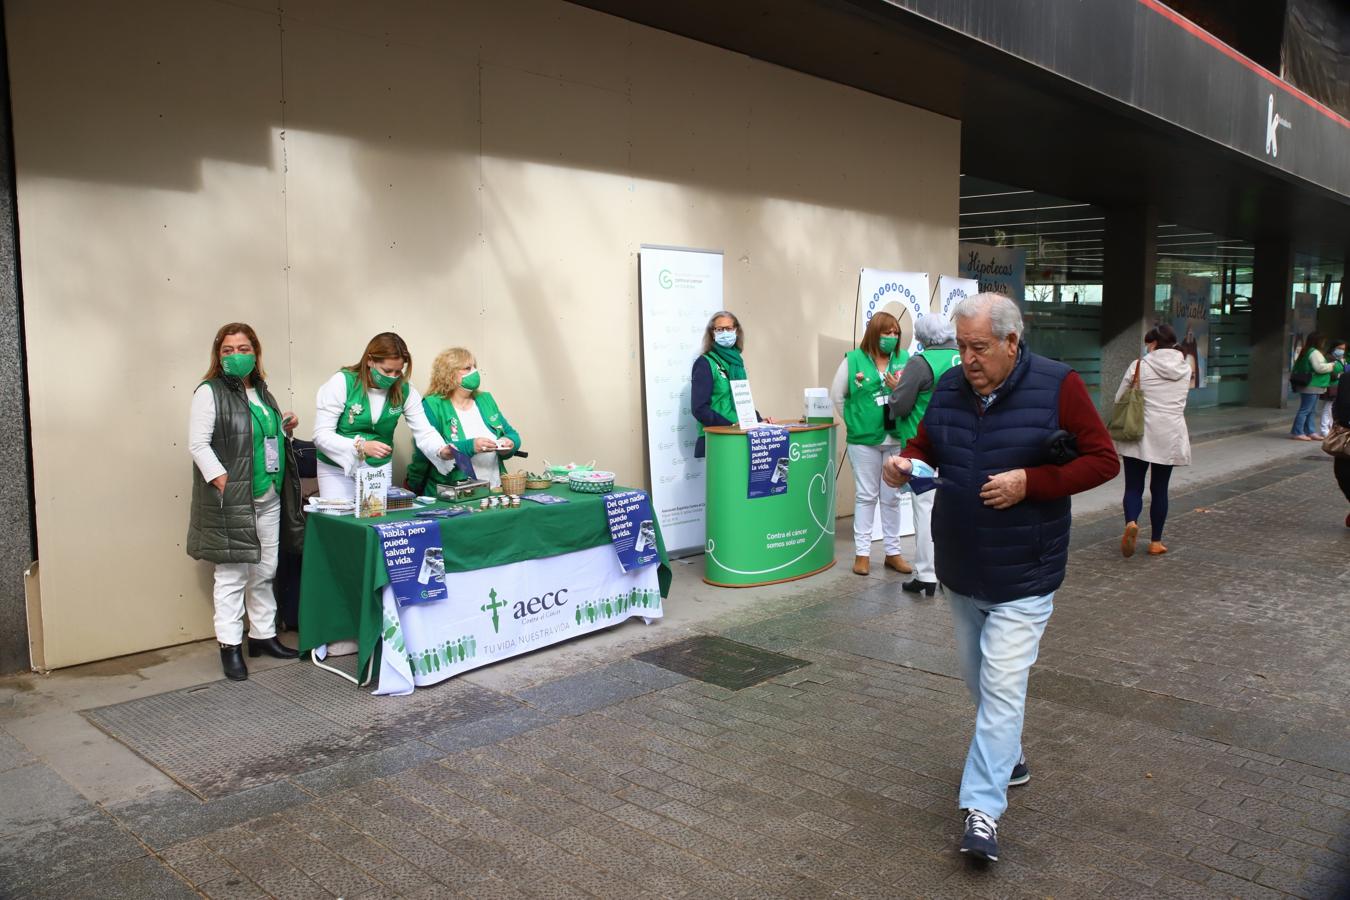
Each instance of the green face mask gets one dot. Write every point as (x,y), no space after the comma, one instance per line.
(240,365)
(471,381)
(382,381)
(888,345)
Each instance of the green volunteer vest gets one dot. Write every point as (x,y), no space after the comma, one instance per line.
(266,424)
(355,421)
(445,419)
(1304,364)
(940,359)
(721,400)
(864,418)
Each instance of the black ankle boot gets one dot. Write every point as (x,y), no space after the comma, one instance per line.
(232,661)
(916,586)
(272,647)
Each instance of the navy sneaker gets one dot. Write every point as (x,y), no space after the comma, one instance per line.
(1020,775)
(981,838)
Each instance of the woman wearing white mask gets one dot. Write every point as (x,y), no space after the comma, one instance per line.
(357,410)
(718,365)
(468,418)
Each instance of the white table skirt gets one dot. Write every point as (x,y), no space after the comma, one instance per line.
(499,612)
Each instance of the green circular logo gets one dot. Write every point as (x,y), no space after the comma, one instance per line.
(664,279)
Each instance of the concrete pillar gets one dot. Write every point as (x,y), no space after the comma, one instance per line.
(18,550)
(1129,276)
(1272,293)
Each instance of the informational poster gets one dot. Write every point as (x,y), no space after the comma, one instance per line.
(414,559)
(1190,320)
(998,270)
(904,295)
(746,416)
(680,291)
(951,291)
(632,528)
(768,462)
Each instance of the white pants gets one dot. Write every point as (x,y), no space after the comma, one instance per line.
(333,483)
(869,490)
(923,535)
(249,585)
(1325,418)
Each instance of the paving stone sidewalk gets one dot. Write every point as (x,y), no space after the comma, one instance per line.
(1188,734)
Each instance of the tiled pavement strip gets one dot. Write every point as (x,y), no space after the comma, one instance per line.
(1188,733)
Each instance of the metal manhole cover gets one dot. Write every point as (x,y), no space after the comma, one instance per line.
(223,737)
(720,661)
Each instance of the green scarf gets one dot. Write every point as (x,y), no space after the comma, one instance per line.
(730,358)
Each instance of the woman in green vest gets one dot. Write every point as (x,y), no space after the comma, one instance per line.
(1311,375)
(719,364)
(908,403)
(245,494)
(859,391)
(357,410)
(468,418)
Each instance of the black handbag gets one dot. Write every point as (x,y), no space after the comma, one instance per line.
(306,458)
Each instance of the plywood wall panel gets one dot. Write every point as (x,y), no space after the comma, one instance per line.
(149,212)
(459,172)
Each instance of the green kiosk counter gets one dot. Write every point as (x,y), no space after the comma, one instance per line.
(767,539)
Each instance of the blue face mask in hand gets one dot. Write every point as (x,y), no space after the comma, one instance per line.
(923,477)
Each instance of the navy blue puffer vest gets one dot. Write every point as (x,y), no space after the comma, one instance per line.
(997,554)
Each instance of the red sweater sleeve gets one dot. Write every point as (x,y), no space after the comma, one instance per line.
(1097,462)
(918,446)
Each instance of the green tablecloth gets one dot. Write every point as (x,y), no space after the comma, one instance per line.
(343,570)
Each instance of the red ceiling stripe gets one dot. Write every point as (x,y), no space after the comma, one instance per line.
(1223,48)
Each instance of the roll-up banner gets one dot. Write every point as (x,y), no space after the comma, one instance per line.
(951,291)
(680,290)
(905,295)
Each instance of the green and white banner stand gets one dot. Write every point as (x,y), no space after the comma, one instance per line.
(782,537)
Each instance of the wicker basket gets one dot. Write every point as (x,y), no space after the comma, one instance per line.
(591,482)
(538,484)
(513,483)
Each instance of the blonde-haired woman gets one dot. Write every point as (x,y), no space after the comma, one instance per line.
(468,418)
(357,410)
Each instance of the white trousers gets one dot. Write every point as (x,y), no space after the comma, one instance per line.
(241,586)
(869,491)
(923,535)
(1325,420)
(333,483)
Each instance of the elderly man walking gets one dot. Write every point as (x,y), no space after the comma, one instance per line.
(1001,429)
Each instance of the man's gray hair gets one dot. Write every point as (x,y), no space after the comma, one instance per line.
(1004,316)
(931,331)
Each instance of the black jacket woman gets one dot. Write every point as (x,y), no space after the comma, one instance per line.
(245,494)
